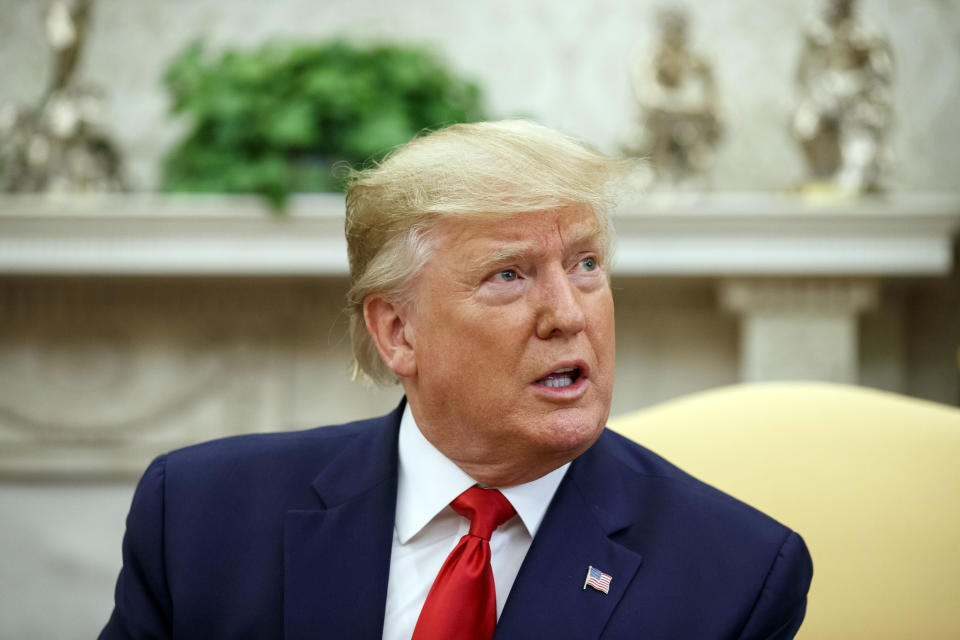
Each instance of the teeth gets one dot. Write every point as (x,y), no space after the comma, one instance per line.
(563,377)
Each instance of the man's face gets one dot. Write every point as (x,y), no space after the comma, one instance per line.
(512,332)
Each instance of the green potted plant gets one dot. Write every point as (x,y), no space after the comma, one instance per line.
(277,120)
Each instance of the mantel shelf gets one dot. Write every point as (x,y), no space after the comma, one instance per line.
(716,234)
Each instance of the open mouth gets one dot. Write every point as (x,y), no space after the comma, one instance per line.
(561,377)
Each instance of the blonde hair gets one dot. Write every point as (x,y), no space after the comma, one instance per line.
(479,169)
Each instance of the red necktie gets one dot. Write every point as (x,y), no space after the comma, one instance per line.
(462,603)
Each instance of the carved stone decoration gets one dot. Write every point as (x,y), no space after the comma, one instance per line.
(677,96)
(101,375)
(88,383)
(844,111)
(60,145)
(798,329)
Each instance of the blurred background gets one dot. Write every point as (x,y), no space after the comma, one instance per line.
(172,266)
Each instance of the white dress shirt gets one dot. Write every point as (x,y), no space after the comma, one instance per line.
(427,529)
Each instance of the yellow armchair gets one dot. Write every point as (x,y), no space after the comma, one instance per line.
(870,479)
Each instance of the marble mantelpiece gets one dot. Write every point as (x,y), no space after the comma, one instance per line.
(130,325)
(742,234)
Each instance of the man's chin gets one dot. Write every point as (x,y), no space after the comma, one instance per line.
(573,431)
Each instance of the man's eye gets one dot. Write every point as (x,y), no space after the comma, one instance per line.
(508,275)
(589,264)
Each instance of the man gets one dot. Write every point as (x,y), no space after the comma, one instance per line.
(479,259)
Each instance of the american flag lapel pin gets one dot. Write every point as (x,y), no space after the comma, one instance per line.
(597,579)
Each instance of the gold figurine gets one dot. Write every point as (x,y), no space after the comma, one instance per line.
(844,111)
(677,95)
(60,146)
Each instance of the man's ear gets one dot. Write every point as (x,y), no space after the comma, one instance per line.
(387,324)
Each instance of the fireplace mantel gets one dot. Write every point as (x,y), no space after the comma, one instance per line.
(719,234)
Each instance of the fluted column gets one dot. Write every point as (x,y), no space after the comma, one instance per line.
(798,329)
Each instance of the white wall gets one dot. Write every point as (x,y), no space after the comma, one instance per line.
(61,553)
(565,63)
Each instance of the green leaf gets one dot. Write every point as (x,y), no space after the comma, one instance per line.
(274,120)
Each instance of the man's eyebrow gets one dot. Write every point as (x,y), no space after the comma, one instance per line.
(587,234)
(512,253)
(584,235)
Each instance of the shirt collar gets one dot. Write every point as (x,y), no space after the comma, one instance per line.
(429,481)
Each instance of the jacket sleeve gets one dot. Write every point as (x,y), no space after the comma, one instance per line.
(142,605)
(782,601)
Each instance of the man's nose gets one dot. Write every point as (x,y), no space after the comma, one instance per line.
(560,307)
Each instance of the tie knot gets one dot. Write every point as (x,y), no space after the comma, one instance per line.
(486,509)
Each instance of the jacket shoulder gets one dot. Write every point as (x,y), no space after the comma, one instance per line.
(269,471)
(733,567)
(267,456)
(239,447)
(637,464)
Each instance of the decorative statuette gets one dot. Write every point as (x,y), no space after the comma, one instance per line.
(844,110)
(60,146)
(676,92)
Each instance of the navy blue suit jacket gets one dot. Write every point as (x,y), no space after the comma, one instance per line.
(288,535)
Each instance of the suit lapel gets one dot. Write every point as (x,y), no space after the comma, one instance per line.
(337,557)
(548,599)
